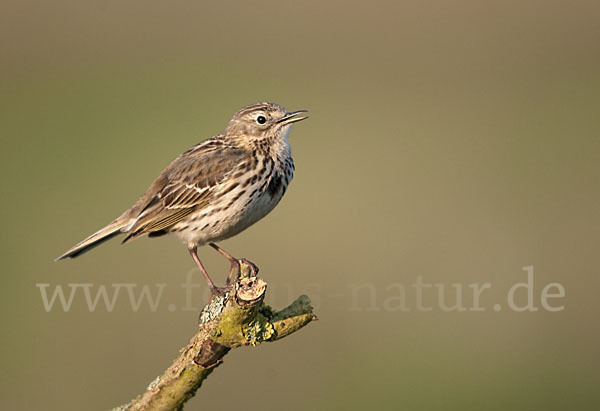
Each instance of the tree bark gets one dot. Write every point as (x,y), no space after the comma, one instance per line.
(236,318)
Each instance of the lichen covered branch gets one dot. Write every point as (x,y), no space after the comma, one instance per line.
(237,318)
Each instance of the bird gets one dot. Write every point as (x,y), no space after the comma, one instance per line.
(214,190)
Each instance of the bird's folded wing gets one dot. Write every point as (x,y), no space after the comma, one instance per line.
(188,184)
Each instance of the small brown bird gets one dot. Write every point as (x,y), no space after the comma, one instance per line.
(216,189)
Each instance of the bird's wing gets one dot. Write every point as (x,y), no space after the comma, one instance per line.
(187,185)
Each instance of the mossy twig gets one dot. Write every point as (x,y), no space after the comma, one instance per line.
(237,318)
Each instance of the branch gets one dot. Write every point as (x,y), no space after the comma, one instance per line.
(237,318)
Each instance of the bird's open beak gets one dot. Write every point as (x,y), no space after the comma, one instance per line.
(293,117)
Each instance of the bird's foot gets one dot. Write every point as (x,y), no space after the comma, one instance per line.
(240,268)
(247,268)
(220,291)
(243,269)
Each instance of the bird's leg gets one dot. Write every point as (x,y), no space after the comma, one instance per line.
(194,253)
(235,264)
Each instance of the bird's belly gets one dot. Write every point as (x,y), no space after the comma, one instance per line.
(227,218)
(259,208)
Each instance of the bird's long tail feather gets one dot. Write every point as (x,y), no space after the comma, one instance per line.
(113,229)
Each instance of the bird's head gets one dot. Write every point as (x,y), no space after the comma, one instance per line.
(262,121)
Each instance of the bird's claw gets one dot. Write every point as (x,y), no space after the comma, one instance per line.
(220,291)
(247,268)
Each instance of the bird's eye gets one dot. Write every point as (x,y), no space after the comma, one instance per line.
(261,120)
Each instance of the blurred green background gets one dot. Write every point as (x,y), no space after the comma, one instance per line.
(454,140)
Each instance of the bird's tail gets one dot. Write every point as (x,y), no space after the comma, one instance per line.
(115,228)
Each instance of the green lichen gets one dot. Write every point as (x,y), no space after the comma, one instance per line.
(259,330)
(213,309)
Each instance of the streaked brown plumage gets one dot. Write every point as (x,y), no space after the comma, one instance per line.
(217,188)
